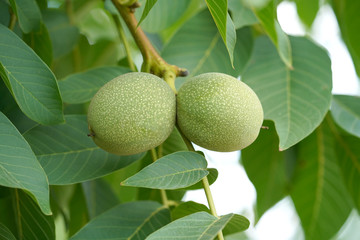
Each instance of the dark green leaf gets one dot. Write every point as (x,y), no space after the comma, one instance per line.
(134,220)
(265,166)
(81,87)
(177,170)
(149,4)
(307,10)
(162,15)
(40,42)
(63,35)
(4,13)
(99,197)
(204,50)
(68,155)
(349,20)
(298,99)
(241,14)
(224,23)
(5,233)
(31,82)
(173,143)
(31,222)
(212,176)
(318,192)
(28,13)
(348,154)
(200,225)
(19,167)
(268,19)
(78,213)
(346,113)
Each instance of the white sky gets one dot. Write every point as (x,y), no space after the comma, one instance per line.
(233,192)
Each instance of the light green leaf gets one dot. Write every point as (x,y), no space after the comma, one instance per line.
(256,4)
(63,35)
(173,171)
(265,166)
(162,15)
(268,19)
(28,13)
(99,197)
(241,14)
(40,42)
(197,226)
(296,100)
(224,23)
(133,220)
(346,113)
(81,87)
(69,156)
(149,4)
(5,233)
(31,223)
(31,82)
(318,192)
(348,154)
(204,50)
(237,223)
(349,21)
(19,167)
(307,10)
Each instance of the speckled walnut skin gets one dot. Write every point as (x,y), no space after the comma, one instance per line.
(219,112)
(132,113)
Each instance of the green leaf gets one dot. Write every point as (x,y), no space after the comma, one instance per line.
(31,223)
(237,223)
(307,10)
(318,192)
(224,23)
(173,143)
(241,14)
(296,100)
(149,4)
(69,156)
(28,13)
(99,197)
(349,20)
(173,171)
(5,233)
(133,220)
(200,225)
(268,19)
(162,15)
(346,113)
(19,167)
(348,154)
(31,82)
(81,87)
(265,166)
(204,50)
(40,42)
(78,212)
(63,35)
(212,176)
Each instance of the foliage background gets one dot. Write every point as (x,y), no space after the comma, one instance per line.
(58,55)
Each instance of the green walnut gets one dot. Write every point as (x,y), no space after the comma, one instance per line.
(219,112)
(132,113)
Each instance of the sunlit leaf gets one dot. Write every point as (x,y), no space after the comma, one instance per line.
(173,171)
(133,220)
(81,87)
(319,195)
(346,113)
(307,10)
(19,167)
(31,82)
(298,99)
(68,155)
(148,6)
(200,225)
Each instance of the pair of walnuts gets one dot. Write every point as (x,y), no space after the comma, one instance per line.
(137,111)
